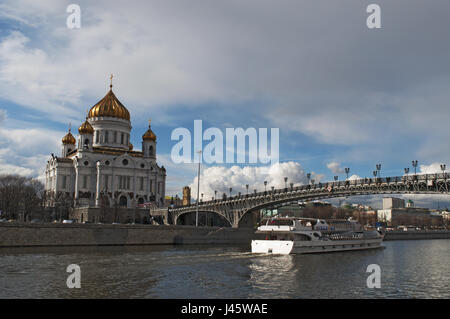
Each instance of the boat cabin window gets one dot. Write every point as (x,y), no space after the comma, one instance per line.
(302,237)
(280,222)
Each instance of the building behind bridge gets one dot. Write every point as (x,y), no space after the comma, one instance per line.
(396,213)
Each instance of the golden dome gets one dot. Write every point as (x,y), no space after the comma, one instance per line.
(131,147)
(149,135)
(86,128)
(109,106)
(69,139)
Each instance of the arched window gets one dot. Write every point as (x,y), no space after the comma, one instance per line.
(123,201)
(150,150)
(86,141)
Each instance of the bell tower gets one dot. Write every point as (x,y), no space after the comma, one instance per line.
(149,143)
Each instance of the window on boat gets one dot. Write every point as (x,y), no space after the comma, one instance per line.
(302,237)
(281,222)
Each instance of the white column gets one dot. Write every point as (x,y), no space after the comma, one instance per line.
(97,192)
(77,179)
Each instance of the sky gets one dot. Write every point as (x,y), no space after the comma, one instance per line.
(341,94)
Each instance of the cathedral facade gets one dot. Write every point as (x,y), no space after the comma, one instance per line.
(100,168)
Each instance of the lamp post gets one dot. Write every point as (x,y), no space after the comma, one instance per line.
(285,183)
(443,166)
(230,191)
(308,176)
(336,178)
(215,195)
(378,166)
(246,186)
(198,187)
(273,188)
(375,174)
(347,170)
(414,164)
(406,172)
(265,186)
(292,186)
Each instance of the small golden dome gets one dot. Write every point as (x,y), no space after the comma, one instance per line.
(69,139)
(86,128)
(109,106)
(149,135)
(131,147)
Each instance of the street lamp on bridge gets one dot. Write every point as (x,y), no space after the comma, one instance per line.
(292,186)
(378,166)
(375,174)
(198,186)
(308,176)
(246,186)
(443,166)
(285,183)
(230,191)
(414,164)
(406,171)
(336,178)
(265,186)
(347,170)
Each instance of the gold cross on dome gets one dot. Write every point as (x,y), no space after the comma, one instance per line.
(111,77)
(149,121)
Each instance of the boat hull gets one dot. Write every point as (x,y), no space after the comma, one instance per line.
(286,247)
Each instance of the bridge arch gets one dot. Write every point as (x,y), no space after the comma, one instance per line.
(278,203)
(206,218)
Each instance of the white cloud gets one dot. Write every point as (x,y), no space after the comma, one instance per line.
(354,177)
(25,151)
(222,178)
(430,169)
(335,168)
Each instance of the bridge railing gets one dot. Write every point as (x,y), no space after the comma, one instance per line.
(405,179)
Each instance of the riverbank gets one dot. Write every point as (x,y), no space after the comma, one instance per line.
(27,235)
(31,235)
(417,235)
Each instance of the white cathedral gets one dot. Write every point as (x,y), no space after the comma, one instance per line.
(100,167)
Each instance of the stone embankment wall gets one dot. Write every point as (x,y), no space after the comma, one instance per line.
(412,235)
(17,235)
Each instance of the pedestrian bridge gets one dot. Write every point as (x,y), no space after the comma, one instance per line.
(235,209)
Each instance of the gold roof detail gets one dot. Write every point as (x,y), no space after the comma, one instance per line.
(86,128)
(149,135)
(109,106)
(69,139)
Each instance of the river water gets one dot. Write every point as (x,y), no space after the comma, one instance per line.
(409,269)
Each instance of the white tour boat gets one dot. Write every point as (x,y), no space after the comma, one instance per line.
(296,235)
